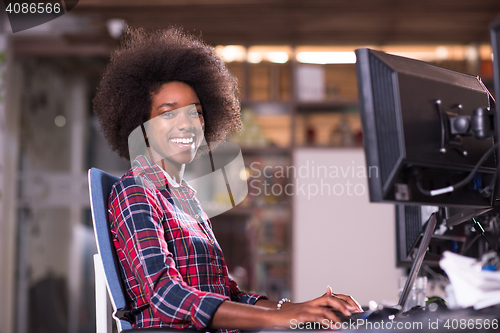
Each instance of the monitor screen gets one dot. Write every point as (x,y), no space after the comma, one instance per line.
(428,133)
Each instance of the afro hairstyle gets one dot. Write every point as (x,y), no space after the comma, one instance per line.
(143,63)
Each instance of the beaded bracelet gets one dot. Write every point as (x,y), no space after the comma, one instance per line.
(280,303)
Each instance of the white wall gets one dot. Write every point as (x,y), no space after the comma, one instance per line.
(340,238)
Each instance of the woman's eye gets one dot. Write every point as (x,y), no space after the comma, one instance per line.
(197,113)
(168,114)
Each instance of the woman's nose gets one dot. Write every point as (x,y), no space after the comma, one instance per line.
(184,122)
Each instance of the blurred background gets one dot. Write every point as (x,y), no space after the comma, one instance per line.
(294,62)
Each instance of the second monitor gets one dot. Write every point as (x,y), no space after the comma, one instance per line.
(428,132)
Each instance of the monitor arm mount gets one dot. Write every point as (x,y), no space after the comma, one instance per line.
(481,125)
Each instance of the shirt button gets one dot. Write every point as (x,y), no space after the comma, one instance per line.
(218,270)
(196,216)
(211,241)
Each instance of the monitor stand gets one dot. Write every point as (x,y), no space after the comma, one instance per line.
(417,263)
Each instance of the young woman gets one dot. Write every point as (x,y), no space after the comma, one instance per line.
(178,91)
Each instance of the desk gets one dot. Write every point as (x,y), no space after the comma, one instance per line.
(441,321)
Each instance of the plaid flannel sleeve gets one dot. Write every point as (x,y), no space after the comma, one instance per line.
(138,216)
(238,296)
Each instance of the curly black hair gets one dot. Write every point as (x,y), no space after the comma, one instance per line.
(143,63)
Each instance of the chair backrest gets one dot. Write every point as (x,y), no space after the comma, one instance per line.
(100,184)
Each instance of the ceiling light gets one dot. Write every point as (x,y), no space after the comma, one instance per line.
(254,57)
(324,58)
(441,52)
(231,53)
(277,57)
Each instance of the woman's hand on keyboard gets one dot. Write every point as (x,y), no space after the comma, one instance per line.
(346,298)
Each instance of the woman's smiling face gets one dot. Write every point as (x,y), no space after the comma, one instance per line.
(175,127)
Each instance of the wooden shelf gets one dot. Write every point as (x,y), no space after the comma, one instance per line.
(268,107)
(327,106)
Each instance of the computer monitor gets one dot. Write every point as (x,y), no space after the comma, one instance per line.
(431,135)
(428,133)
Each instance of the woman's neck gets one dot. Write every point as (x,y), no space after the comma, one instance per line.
(176,172)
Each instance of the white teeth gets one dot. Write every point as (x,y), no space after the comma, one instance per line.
(182,140)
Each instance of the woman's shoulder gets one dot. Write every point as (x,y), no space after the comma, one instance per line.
(133,181)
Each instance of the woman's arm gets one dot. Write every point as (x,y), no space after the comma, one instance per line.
(346,298)
(241,297)
(263,314)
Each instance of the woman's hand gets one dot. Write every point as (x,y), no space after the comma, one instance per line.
(264,313)
(347,298)
(316,310)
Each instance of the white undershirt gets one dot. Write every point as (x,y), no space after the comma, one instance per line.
(171,181)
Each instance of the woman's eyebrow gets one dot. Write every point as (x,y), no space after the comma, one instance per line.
(167,104)
(170,104)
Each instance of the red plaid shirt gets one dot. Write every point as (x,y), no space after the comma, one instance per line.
(173,267)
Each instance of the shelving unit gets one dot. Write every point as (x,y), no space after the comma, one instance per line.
(277,123)
(274,125)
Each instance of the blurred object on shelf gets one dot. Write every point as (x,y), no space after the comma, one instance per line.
(260,83)
(273,280)
(269,180)
(269,233)
(272,232)
(251,134)
(276,129)
(330,129)
(264,125)
(332,92)
(266,81)
(341,84)
(310,133)
(274,119)
(359,138)
(310,83)
(342,134)
(310,136)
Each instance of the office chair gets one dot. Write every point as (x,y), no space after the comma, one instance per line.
(106,263)
(107,271)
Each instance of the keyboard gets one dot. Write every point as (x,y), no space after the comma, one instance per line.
(423,320)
